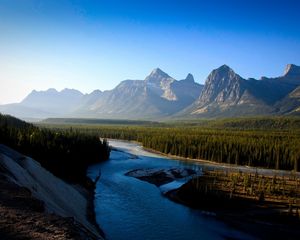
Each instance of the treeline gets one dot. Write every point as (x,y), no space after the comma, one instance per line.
(94,121)
(259,123)
(269,149)
(66,153)
(274,123)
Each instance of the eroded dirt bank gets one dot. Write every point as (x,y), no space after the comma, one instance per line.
(34,204)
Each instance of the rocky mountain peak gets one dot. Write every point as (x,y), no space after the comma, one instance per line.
(95,92)
(222,74)
(225,93)
(156,75)
(190,78)
(69,90)
(34,93)
(224,69)
(159,72)
(50,90)
(292,70)
(223,86)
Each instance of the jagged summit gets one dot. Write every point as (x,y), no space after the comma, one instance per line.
(225,93)
(223,69)
(159,72)
(190,78)
(38,92)
(292,70)
(97,91)
(50,90)
(223,73)
(156,96)
(222,85)
(69,90)
(54,91)
(51,102)
(156,75)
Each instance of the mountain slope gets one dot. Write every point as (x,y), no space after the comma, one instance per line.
(52,100)
(24,112)
(41,104)
(291,103)
(226,94)
(157,96)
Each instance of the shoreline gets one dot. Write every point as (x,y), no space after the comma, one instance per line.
(261,226)
(230,167)
(227,166)
(90,208)
(259,218)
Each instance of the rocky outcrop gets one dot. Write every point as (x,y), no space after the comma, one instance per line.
(156,96)
(226,94)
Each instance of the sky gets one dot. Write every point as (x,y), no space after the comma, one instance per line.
(95,44)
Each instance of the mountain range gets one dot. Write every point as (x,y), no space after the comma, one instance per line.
(159,96)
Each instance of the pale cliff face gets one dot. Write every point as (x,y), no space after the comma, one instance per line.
(59,197)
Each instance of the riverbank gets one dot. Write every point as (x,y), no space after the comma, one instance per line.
(231,167)
(34,204)
(265,207)
(210,165)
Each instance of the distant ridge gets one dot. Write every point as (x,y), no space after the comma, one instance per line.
(159,96)
(226,94)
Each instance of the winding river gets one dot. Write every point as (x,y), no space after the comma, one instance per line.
(127,208)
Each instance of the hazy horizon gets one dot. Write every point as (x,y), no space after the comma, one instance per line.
(88,45)
(88,92)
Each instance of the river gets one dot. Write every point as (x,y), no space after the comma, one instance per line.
(127,208)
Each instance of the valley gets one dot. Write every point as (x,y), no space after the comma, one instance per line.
(204,187)
(251,164)
(155,120)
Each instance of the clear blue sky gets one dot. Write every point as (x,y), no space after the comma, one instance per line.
(95,44)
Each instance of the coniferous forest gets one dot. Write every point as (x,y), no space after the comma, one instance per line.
(259,142)
(276,150)
(66,153)
(67,149)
